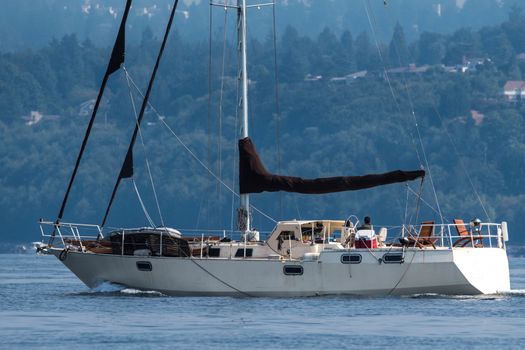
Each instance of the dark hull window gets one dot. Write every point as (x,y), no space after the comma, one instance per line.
(240,252)
(351,258)
(393,258)
(144,266)
(214,252)
(293,270)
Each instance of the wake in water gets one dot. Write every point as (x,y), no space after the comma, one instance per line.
(108,289)
(515,293)
(501,295)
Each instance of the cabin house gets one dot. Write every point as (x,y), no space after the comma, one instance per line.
(514,90)
(350,78)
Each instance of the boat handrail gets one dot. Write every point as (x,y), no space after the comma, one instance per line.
(73,234)
(447,235)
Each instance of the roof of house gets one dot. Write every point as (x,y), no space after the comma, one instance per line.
(512,85)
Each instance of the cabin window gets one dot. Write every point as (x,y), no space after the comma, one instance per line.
(393,258)
(240,252)
(144,266)
(214,252)
(351,258)
(293,270)
(287,235)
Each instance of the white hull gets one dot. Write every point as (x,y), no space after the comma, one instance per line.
(463,271)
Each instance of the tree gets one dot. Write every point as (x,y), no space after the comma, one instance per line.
(362,51)
(347,51)
(431,48)
(398,50)
(293,56)
(463,43)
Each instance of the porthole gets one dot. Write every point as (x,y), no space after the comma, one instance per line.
(144,266)
(393,258)
(351,258)
(293,270)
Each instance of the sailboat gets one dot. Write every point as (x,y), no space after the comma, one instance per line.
(299,257)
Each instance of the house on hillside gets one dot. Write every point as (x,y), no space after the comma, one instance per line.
(520,56)
(514,90)
(410,69)
(472,64)
(311,77)
(477,117)
(350,78)
(36,117)
(86,108)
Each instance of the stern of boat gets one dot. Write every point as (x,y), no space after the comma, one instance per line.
(486,269)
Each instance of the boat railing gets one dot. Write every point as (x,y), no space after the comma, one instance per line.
(474,235)
(154,241)
(69,233)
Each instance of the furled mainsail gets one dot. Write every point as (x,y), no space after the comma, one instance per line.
(254,178)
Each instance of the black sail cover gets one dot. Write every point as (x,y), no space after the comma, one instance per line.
(254,178)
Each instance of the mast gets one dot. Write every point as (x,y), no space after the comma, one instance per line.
(244,213)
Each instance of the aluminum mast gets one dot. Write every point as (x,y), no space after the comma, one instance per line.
(244,214)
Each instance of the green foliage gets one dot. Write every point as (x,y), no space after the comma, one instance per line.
(327,127)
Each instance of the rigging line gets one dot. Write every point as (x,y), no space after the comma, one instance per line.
(412,112)
(406,203)
(127,166)
(277,104)
(206,199)
(194,156)
(235,147)
(425,202)
(116,59)
(144,147)
(221,97)
(366,5)
(451,140)
(219,279)
(404,248)
(387,76)
(235,153)
(212,173)
(144,209)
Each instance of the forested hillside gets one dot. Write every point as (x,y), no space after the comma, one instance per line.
(346,107)
(31,24)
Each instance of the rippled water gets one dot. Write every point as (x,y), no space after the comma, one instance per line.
(43,305)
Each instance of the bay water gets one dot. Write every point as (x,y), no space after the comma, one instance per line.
(43,305)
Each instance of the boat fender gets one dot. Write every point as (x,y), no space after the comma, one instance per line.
(505,231)
(63,255)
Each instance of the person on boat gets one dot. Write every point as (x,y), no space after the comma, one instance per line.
(367,225)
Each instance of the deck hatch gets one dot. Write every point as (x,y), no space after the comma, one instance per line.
(144,266)
(393,258)
(351,258)
(293,270)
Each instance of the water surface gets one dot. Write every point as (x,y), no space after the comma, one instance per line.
(46,306)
